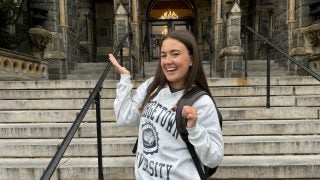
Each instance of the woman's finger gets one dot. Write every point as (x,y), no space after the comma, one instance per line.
(113,60)
(117,66)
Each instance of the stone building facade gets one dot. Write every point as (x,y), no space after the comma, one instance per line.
(86,31)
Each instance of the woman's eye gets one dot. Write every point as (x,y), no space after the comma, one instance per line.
(175,54)
(163,56)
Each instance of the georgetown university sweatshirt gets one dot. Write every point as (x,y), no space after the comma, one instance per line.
(161,153)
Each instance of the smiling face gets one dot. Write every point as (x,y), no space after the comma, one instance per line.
(175,62)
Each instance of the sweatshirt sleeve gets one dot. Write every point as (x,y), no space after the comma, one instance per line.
(126,107)
(206,135)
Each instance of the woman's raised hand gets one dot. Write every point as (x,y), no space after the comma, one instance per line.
(119,69)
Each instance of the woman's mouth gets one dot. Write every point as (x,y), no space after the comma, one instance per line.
(170,69)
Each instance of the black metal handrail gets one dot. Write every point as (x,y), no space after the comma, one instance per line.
(93,97)
(306,69)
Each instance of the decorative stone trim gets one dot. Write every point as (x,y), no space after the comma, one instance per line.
(15,66)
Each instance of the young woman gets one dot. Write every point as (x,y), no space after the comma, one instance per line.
(161,153)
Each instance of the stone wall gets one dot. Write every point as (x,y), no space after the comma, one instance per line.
(63,51)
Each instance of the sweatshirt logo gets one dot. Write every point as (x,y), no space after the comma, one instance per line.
(150,139)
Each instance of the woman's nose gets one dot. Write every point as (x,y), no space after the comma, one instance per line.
(167,59)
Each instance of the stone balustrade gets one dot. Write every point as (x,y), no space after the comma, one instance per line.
(15,66)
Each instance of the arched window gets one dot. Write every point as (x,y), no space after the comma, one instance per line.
(170,9)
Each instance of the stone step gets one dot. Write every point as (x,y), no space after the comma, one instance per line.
(270,113)
(256,81)
(110,129)
(273,73)
(271,127)
(260,61)
(90,71)
(87,147)
(59,130)
(88,76)
(263,68)
(56,84)
(84,93)
(270,167)
(62,104)
(249,101)
(212,82)
(79,147)
(41,116)
(108,114)
(68,168)
(48,94)
(275,101)
(262,91)
(91,64)
(230,102)
(84,66)
(232,167)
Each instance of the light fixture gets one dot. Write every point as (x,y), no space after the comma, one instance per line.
(169,15)
(164,31)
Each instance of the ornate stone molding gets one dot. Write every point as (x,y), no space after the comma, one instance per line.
(311,35)
(15,66)
(231,51)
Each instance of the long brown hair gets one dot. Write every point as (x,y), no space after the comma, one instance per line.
(195,75)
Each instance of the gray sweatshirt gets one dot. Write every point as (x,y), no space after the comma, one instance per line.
(161,153)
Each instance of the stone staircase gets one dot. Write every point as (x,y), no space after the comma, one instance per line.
(258,68)
(89,71)
(281,142)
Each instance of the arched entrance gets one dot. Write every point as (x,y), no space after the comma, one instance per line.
(104,14)
(165,16)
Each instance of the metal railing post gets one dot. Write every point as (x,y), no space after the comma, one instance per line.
(246,56)
(121,56)
(99,144)
(130,56)
(268,78)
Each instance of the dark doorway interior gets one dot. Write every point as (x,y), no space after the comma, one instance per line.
(166,16)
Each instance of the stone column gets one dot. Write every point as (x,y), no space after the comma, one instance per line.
(39,36)
(121,29)
(218,36)
(302,49)
(138,61)
(231,55)
(121,24)
(54,53)
(292,46)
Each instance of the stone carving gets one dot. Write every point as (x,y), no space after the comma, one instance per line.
(40,37)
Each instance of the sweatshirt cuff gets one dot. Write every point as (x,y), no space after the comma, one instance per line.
(194,132)
(125,78)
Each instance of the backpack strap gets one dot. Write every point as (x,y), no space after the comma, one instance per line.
(188,99)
